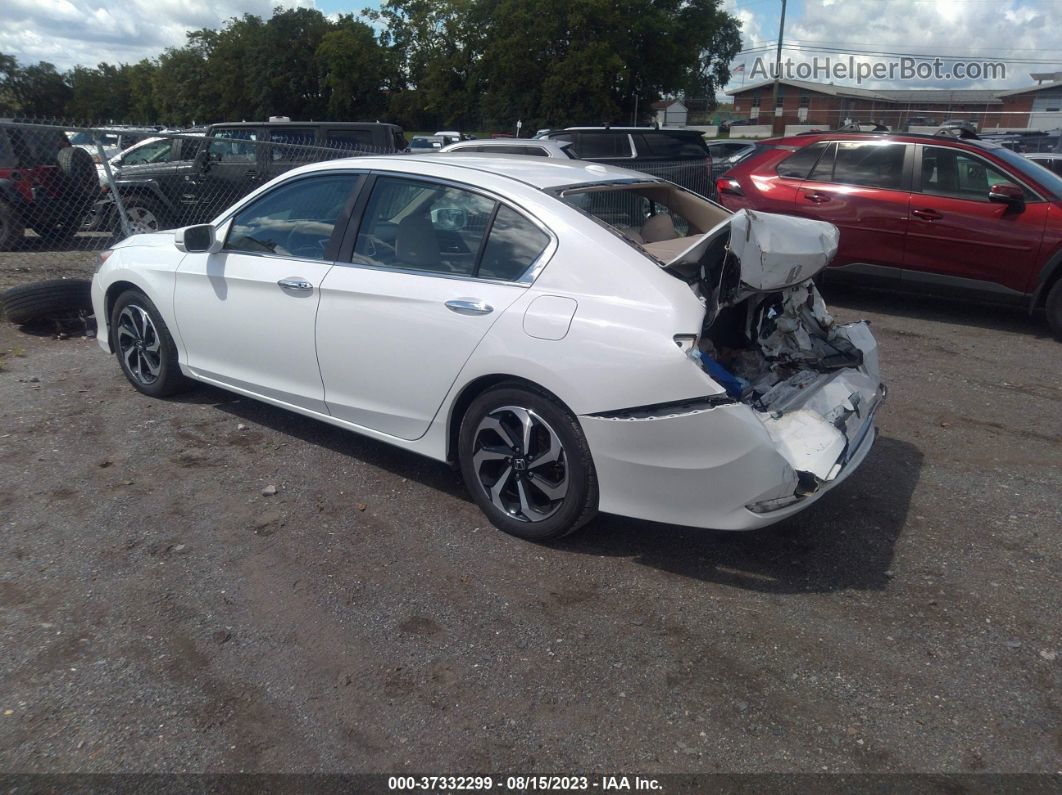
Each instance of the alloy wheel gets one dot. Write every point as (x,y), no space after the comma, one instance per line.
(520,463)
(139,344)
(141,220)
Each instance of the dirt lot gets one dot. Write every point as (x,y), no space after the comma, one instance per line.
(159,613)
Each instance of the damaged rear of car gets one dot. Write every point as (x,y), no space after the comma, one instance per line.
(799,391)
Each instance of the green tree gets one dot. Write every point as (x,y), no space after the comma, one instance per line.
(355,69)
(37,91)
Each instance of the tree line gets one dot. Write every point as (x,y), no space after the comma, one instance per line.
(466,64)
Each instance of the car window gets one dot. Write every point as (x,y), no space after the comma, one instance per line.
(154,152)
(800,163)
(422,226)
(629,212)
(874,164)
(292,144)
(603,145)
(295,219)
(189,147)
(349,140)
(513,245)
(233,146)
(534,151)
(952,172)
(671,145)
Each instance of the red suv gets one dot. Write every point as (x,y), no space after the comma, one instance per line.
(918,212)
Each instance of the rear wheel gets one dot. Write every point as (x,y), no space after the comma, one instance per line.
(526,463)
(1053,305)
(146,352)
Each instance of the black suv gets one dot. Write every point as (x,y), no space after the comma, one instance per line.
(201,173)
(680,156)
(45,184)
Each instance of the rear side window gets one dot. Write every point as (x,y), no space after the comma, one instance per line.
(799,164)
(603,145)
(512,150)
(295,219)
(291,144)
(513,245)
(233,146)
(872,164)
(350,140)
(674,146)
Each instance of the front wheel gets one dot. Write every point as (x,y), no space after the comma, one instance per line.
(146,352)
(526,463)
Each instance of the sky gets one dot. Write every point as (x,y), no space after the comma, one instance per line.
(1022,33)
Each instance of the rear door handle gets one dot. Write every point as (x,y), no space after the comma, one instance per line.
(469,306)
(295,283)
(817,196)
(927,215)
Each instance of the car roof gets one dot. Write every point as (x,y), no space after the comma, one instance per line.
(538,172)
(335,125)
(805,139)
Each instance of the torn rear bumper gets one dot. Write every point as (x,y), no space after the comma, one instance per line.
(705,468)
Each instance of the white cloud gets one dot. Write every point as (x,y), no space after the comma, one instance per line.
(1004,30)
(71,32)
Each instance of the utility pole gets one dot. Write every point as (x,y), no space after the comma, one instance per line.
(778,66)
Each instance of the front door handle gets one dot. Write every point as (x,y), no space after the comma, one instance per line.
(817,196)
(296,283)
(469,306)
(927,215)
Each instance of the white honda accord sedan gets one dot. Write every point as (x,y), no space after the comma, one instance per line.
(575,337)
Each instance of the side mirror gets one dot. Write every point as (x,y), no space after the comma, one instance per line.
(202,159)
(197,240)
(1007,194)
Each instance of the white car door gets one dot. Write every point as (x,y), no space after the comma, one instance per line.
(246,314)
(433,267)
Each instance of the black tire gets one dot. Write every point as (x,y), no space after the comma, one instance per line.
(146,353)
(1053,305)
(11,227)
(56,297)
(144,214)
(78,170)
(573,472)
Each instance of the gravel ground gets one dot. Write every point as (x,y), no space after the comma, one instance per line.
(160,614)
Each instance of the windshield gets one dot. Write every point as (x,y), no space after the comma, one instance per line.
(1033,170)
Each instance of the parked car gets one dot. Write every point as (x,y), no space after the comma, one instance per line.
(577,338)
(929,213)
(422,143)
(726,153)
(681,156)
(515,146)
(728,123)
(921,121)
(45,184)
(960,123)
(203,174)
(1052,161)
(112,139)
(451,136)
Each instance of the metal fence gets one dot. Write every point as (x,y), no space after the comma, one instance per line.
(65,189)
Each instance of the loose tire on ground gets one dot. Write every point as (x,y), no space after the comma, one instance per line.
(579,502)
(56,297)
(1053,305)
(144,347)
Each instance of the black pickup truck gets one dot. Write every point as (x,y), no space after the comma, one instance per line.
(189,178)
